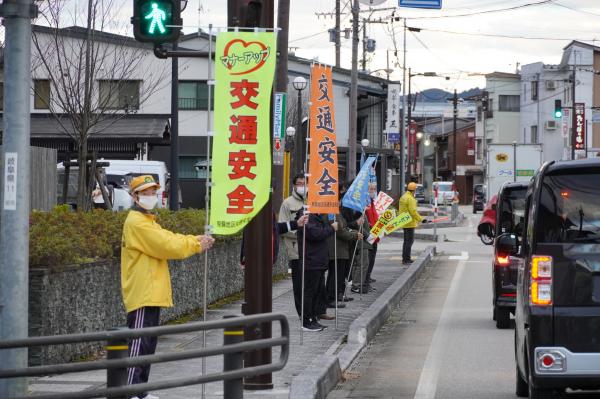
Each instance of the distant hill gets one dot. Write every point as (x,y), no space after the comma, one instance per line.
(440,96)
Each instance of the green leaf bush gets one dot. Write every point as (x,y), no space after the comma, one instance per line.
(63,237)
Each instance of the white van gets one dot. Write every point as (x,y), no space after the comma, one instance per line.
(446,192)
(157,169)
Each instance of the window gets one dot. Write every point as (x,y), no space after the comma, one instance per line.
(41,94)
(509,103)
(193,96)
(534,134)
(534,90)
(188,164)
(120,94)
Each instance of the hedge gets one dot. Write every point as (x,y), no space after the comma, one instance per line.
(64,237)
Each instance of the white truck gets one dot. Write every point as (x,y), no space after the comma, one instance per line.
(511,162)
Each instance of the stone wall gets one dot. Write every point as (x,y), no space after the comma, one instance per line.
(83,298)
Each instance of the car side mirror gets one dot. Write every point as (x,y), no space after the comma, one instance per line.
(507,244)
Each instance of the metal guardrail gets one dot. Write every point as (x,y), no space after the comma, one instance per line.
(117,360)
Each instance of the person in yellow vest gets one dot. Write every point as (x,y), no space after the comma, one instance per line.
(408,203)
(145,278)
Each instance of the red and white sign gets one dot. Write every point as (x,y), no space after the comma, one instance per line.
(382,202)
(579,128)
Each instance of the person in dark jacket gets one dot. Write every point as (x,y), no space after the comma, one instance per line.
(346,238)
(315,258)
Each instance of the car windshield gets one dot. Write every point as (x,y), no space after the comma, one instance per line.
(118,181)
(512,211)
(444,186)
(569,208)
(419,190)
(479,189)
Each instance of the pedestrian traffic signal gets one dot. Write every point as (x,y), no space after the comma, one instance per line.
(557,109)
(156,21)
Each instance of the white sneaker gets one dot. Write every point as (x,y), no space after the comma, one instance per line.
(150,397)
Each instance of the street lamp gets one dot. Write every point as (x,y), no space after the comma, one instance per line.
(299,84)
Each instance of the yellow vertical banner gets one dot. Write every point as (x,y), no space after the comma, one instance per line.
(323,165)
(241,153)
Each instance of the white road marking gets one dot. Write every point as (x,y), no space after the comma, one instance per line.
(464,255)
(428,381)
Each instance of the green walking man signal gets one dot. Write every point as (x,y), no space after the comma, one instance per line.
(156,21)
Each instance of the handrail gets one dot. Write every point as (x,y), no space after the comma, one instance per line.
(124,362)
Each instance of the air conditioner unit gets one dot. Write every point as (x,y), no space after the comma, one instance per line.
(551,125)
(550,85)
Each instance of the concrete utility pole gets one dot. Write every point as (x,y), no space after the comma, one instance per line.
(403,124)
(351,159)
(281,85)
(338,33)
(573,116)
(364,46)
(257,238)
(174,178)
(14,208)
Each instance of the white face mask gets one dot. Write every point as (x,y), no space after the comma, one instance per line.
(147,201)
(372,195)
(301,191)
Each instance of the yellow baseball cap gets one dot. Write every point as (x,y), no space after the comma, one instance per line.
(143,182)
(412,186)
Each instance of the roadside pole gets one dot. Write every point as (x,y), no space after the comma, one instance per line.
(14,213)
(353,112)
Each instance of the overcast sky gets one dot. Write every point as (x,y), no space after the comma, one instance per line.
(463,57)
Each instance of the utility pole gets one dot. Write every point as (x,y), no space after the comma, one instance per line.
(257,243)
(403,124)
(14,209)
(351,163)
(174,178)
(364,46)
(338,33)
(281,86)
(454,120)
(409,154)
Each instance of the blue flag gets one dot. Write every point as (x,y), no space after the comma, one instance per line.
(357,196)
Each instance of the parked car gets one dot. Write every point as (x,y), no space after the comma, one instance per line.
(420,194)
(120,180)
(478,197)
(486,229)
(558,288)
(510,211)
(134,168)
(446,192)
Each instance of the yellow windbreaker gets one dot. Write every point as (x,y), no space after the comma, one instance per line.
(145,249)
(408,203)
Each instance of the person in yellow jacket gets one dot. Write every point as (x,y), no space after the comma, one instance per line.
(145,278)
(408,203)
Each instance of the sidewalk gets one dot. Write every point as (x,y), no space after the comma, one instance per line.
(387,270)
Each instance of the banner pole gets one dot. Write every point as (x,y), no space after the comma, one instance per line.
(207,201)
(335,266)
(362,259)
(351,265)
(303,266)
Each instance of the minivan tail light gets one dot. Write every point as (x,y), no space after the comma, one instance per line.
(541,280)
(502,260)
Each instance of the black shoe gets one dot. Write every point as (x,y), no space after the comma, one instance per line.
(332,305)
(407,262)
(321,326)
(372,280)
(347,299)
(312,326)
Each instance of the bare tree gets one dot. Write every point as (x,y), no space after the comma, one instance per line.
(95,77)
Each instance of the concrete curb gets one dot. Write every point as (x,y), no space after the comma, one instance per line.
(323,374)
(422,236)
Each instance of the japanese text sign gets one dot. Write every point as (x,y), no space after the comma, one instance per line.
(399,221)
(323,164)
(357,196)
(579,127)
(241,154)
(378,228)
(382,202)
(10,181)
(392,123)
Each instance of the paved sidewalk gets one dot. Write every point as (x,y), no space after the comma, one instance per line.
(387,269)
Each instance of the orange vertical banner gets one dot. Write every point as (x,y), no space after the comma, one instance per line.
(323,165)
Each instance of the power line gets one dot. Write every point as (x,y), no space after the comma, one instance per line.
(575,9)
(533,4)
(506,36)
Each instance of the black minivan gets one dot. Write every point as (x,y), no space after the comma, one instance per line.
(510,215)
(557,326)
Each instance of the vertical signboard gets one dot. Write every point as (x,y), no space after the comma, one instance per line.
(10,181)
(392,124)
(241,155)
(323,164)
(579,127)
(278,128)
